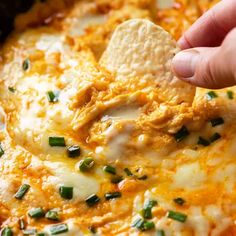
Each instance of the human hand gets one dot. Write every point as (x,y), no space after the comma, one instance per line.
(209,56)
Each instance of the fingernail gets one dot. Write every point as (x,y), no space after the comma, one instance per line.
(183,43)
(184,63)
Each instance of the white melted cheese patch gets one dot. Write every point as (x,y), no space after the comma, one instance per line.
(50,43)
(198,222)
(6,189)
(227,175)
(122,113)
(79,26)
(117,143)
(220,221)
(189,177)
(83,186)
(163,4)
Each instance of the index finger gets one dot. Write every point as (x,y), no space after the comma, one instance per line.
(210,29)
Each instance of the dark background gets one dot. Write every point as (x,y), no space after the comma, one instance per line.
(8,10)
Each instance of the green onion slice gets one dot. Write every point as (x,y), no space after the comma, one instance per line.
(58,229)
(217,121)
(1,150)
(148,225)
(109,169)
(230,94)
(177,216)
(181,134)
(180,201)
(92,200)
(147,209)
(143,225)
(41,234)
(86,164)
(92,229)
(138,223)
(160,232)
(144,177)
(53,96)
(203,142)
(66,192)
(215,137)
(57,141)
(26,64)
(30,232)
(211,95)
(22,191)
(11,89)
(7,232)
(73,151)
(116,179)
(52,215)
(112,195)
(128,172)
(21,224)
(36,213)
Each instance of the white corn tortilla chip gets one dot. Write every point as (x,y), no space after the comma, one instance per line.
(139,48)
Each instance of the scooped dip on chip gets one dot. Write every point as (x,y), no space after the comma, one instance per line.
(140,49)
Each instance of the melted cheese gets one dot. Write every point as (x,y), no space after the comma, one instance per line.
(189,176)
(83,186)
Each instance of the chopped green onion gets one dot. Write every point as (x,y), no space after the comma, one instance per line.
(160,232)
(58,229)
(53,96)
(57,141)
(217,121)
(86,164)
(144,177)
(230,94)
(143,225)
(7,232)
(215,137)
(52,215)
(109,196)
(22,191)
(138,223)
(92,200)
(180,201)
(211,95)
(40,234)
(128,172)
(11,89)
(147,209)
(1,150)
(29,232)
(177,216)
(92,229)
(116,179)
(109,169)
(181,134)
(73,151)
(66,192)
(203,142)
(25,65)
(148,225)
(36,212)
(21,224)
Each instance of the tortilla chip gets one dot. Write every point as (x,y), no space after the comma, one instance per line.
(139,48)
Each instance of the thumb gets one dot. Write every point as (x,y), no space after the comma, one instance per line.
(212,68)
